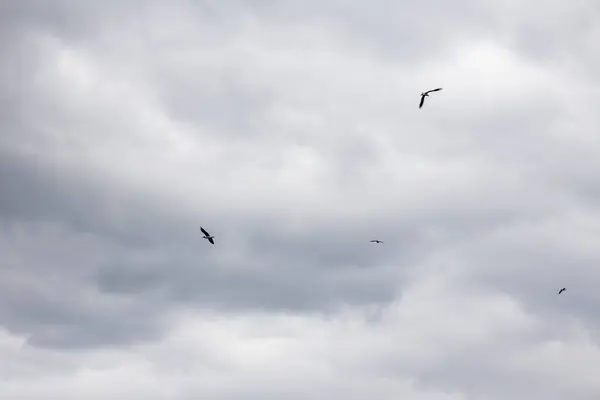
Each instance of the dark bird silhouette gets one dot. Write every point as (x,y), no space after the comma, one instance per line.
(562,290)
(376,241)
(207,235)
(426,94)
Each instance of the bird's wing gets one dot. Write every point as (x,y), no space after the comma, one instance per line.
(435,90)
(422,101)
(211,240)
(204,231)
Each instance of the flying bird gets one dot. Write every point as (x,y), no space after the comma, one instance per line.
(562,290)
(426,94)
(376,241)
(207,236)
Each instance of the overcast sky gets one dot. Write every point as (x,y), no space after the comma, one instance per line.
(291,131)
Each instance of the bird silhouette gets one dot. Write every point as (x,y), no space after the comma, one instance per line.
(376,241)
(207,236)
(562,290)
(426,94)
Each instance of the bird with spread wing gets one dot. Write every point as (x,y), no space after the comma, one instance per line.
(207,236)
(426,94)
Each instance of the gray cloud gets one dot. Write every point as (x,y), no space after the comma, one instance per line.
(291,131)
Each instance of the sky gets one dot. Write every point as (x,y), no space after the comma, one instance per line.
(291,131)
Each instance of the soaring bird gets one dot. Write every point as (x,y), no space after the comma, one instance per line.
(207,235)
(376,241)
(562,290)
(426,94)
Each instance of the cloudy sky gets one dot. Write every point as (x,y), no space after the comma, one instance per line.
(291,131)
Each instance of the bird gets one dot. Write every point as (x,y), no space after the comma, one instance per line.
(426,94)
(207,236)
(562,290)
(376,241)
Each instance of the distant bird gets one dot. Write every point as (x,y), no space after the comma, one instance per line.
(376,241)
(207,235)
(562,290)
(426,94)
